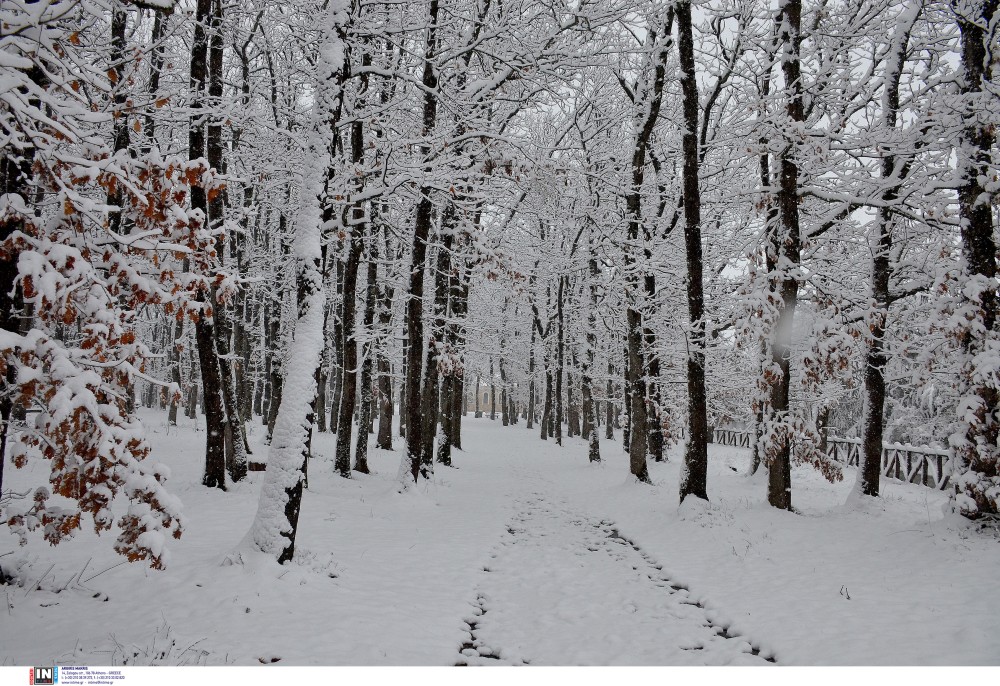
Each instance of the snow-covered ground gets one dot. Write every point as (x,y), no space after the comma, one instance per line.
(522,554)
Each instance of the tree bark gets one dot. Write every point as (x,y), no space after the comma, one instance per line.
(695,473)
(275,375)
(235,439)
(211,378)
(348,383)
(493,394)
(650,98)
(627,404)
(504,406)
(436,350)
(460,310)
(333,359)
(531,381)
(367,401)
(560,360)
(384,366)
(357,230)
(155,70)
(779,487)
(458,411)
(276,522)
(589,415)
(980,446)
(609,419)
(421,231)
(876,356)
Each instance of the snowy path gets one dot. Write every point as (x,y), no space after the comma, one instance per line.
(562,588)
(524,554)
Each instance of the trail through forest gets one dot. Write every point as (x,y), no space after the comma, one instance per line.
(565,588)
(524,553)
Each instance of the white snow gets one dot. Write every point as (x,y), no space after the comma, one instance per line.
(523,554)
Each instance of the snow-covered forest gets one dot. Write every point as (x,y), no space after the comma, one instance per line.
(499,332)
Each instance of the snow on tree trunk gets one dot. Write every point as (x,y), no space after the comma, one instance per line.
(367,366)
(877,355)
(977,440)
(779,434)
(276,522)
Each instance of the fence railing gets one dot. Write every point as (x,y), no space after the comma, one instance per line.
(738,438)
(915,464)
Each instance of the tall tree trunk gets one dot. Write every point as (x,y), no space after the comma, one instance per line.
(756,456)
(384,439)
(436,349)
(876,356)
(175,370)
(589,415)
(358,229)
(493,394)
(654,420)
(695,473)
(384,367)
(275,373)
(155,70)
(120,131)
(333,359)
(560,360)
(421,232)
(609,407)
(980,405)
(349,376)
(459,309)
(648,102)
(116,73)
(504,414)
(572,410)
(403,403)
(235,440)
(452,280)
(191,406)
(211,376)
(627,404)
(276,523)
(779,487)
(531,381)
(447,417)
(771,251)
(244,308)
(458,410)
(547,405)
(367,401)
(322,381)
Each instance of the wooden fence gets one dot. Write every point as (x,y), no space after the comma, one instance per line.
(916,464)
(738,438)
(931,467)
